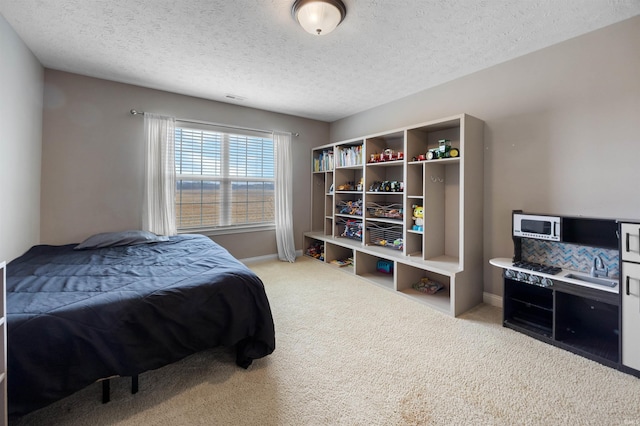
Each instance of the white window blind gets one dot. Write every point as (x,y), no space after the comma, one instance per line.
(224,180)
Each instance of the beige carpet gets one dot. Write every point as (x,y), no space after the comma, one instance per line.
(351,353)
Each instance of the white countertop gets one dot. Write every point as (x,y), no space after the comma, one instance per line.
(507,263)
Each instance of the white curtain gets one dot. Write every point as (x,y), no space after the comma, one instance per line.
(158,211)
(284,197)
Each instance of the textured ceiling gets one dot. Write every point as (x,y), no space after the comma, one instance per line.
(254,49)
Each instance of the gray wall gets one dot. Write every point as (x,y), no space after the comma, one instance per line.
(93,157)
(562,131)
(561,136)
(20,144)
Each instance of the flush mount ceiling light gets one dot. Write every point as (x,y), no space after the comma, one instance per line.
(318,17)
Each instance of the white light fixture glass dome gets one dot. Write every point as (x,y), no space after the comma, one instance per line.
(319,17)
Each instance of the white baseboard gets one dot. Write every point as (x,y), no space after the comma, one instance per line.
(492,299)
(248,260)
(265,258)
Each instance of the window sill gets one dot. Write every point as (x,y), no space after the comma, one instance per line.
(228,230)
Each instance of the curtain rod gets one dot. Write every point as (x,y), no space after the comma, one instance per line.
(136,112)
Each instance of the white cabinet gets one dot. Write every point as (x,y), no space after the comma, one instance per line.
(3,342)
(630,242)
(387,174)
(630,294)
(631,315)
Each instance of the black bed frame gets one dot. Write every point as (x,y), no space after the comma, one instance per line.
(106,388)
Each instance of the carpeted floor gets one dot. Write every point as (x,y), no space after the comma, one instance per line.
(351,353)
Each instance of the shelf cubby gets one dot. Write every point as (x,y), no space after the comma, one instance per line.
(349,204)
(322,159)
(407,276)
(347,179)
(367,267)
(442,210)
(377,145)
(349,154)
(414,185)
(349,228)
(413,244)
(328,226)
(313,247)
(421,139)
(388,235)
(318,200)
(334,252)
(377,174)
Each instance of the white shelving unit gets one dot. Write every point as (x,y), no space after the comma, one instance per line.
(448,250)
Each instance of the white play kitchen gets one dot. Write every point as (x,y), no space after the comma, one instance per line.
(574,282)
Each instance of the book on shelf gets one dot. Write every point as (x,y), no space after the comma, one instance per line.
(350,156)
(323,162)
(342,262)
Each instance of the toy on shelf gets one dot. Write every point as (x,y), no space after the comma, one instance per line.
(398,244)
(353,208)
(360,184)
(349,186)
(387,186)
(343,262)
(352,230)
(384,266)
(386,210)
(386,235)
(428,286)
(418,217)
(316,250)
(444,150)
(387,155)
(323,161)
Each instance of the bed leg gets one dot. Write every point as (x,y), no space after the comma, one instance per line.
(106,391)
(134,384)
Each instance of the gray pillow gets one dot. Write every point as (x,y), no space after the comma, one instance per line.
(124,238)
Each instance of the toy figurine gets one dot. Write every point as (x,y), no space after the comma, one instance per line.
(444,150)
(349,186)
(418,217)
(389,155)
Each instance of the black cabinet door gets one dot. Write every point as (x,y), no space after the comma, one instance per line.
(528,307)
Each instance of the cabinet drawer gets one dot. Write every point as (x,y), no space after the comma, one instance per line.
(631,315)
(630,242)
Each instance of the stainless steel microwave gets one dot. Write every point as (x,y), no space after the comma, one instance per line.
(540,227)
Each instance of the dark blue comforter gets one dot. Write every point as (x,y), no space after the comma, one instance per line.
(78,316)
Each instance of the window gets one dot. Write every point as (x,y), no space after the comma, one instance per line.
(224,180)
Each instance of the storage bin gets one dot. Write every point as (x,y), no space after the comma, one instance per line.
(386,235)
(385,210)
(350,207)
(351,229)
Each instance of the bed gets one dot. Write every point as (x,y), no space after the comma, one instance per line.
(76,316)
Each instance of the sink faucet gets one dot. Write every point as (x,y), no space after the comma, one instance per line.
(599,269)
